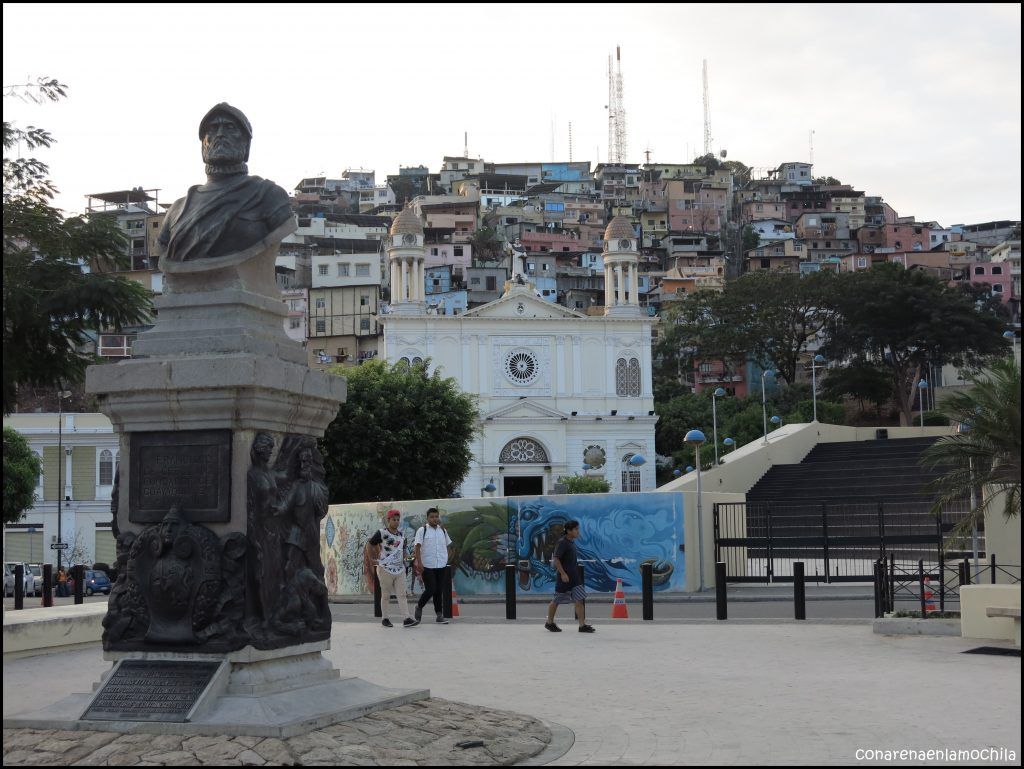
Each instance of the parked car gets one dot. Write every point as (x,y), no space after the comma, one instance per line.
(8,581)
(37,578)
(28,581)
(97,582)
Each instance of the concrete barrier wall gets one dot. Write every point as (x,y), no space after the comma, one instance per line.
(974,599)
(43,631)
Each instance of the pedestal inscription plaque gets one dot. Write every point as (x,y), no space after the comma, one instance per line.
(141,690)
(187,469)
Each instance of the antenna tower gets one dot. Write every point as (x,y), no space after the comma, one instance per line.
(465,143)
(810,145)
(707,112)
(570,141)
(618,145)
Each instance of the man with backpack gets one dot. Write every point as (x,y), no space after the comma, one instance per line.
(389,552)
(431,553)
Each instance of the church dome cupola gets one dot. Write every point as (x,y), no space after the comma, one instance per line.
(621,256)
(405,257)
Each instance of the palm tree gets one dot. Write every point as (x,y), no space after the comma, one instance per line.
(985,452)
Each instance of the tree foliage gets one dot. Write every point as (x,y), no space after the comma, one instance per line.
(830,181)
(401,434)
(901,321)
(986,452)
(584,484)
(487,245)
(51,306)
(21,473)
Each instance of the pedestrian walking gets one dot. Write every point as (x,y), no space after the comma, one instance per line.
(62,583)
(568,587)
(431,555)
(388,551)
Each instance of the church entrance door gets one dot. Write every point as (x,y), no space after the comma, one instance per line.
(523,485)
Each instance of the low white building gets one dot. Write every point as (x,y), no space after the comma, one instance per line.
(79,453)
(556,389)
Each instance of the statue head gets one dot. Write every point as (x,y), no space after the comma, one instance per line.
(226,134)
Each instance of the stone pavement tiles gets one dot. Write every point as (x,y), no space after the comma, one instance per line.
(420,734)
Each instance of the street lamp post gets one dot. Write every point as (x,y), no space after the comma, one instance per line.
(696,438)
(921,387)
(489,488)
(818,362)
(776,420)
(764,401)
(61,395)
(729,442)
(718,393)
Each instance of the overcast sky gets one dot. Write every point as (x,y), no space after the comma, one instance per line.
(917,103)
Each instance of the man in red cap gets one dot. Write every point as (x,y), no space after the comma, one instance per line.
(388,549)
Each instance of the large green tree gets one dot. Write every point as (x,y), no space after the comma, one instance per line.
(775,316)
(52,306)
(402,433)
(902,321)
(985,453)
(21,473)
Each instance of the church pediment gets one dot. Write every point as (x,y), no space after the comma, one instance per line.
(525,410)
(521,302)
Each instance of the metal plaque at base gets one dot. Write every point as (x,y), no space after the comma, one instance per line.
(152,690)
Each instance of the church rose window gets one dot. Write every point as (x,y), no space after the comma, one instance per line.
(523,450)
(521,367)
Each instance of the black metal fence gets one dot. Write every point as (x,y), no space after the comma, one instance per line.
(760,541)
(927,588)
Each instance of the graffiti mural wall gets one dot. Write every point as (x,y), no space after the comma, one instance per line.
(619,532)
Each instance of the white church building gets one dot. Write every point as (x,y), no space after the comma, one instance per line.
(557,390)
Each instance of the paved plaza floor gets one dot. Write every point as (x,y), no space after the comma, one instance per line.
(673,692)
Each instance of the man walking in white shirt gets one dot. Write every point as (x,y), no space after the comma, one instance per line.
(432,553)
(390,555)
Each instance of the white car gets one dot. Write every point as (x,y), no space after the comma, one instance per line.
(28,580)
(8,581)
(37,578)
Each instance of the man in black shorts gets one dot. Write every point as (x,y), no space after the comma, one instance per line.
(568,587)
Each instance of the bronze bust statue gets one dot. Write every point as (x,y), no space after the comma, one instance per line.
(234,216)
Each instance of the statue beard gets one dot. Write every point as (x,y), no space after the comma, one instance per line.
(226,166)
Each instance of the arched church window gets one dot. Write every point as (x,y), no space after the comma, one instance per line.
(106,467)
(523,450)
(627,377)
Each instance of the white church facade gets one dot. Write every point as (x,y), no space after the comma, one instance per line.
(556,390)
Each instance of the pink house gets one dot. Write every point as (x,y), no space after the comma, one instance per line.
(995,275)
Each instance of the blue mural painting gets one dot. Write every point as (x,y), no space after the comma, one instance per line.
(618,533)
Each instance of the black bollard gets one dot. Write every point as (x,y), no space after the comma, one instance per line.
(799,597)
(992,565)
(19,586)
(377,610)
(446,593)
(47,584)
(510,591)
(647,580)
(721,601)
(79,574)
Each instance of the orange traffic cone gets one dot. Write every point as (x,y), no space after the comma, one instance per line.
(619,610)
(929,604)
(455,602)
